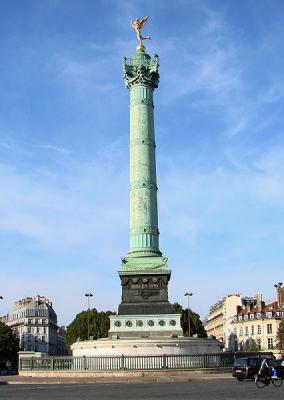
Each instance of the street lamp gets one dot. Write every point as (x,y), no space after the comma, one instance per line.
(188,294)
(88,295)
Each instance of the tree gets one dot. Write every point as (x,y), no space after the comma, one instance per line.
(280,336)
(196,326)
(252,345)
(9,344)
(78,329)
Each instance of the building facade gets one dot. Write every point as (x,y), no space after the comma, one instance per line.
(244,323)
(34,321)
(218,321)
(257,325)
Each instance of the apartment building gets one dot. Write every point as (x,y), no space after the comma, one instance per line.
(218,321)
(34,321)
(258,323)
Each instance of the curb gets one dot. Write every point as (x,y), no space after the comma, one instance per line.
(119,381)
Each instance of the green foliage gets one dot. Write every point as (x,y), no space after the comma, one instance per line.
(9,343)
(78,329)
(252,346)
(280,336)
(196,326)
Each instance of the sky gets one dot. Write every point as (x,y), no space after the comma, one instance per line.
(64,155)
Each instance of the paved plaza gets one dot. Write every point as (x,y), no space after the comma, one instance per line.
(192,389)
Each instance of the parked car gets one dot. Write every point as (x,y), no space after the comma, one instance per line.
(246,368)
(7,368)
(278,365)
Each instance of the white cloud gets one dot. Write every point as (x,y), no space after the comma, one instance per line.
(64,207)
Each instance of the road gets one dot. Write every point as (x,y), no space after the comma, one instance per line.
(194,390)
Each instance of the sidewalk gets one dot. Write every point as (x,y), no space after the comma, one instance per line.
(174,376)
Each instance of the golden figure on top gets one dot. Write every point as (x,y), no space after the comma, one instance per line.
(138,25)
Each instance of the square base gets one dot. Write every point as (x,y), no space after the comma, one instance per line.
(145,326)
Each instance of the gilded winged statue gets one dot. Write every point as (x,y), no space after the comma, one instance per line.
(138,24)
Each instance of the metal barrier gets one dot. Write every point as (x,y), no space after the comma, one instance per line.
(118,363)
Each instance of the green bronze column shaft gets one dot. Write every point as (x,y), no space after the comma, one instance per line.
(141,77)
(144,233)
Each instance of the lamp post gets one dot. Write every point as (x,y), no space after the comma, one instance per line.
(88,295)
(188,294)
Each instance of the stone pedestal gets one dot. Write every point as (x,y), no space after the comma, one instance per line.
(144,294)
(145,347)
(145,326)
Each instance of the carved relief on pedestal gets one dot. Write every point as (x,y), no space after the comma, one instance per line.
(155,282)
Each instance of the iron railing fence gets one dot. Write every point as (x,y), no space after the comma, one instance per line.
(133,363)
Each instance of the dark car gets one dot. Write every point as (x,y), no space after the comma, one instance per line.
(7,368)
(246,368)
(278,365)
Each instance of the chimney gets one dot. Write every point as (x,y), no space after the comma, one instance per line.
(279,294)
(258,301)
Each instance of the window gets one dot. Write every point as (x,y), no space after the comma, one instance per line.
(235,331)
(270,343)
(258,315)
(241,331)
(251,316)
(246,317)
(258,329)
(252,329)
(269,329)
(240,317)
(246,330)
(269,314)
(235,319)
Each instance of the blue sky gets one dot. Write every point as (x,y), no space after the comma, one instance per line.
(64,132)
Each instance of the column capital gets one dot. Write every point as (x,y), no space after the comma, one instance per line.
(141,69)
